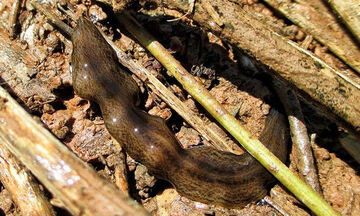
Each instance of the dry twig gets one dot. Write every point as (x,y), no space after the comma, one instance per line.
(13,18)
(24,191)
(284,202)
(349,11)
(303,155)
(121,173)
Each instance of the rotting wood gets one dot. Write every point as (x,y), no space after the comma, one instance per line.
(323,26)
(319,84)
(349,11)
(25,192)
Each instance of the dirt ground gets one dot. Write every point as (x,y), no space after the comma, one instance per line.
(231,77)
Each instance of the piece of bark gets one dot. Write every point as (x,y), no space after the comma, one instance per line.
(316,82)
(13,18)
(121,173)
(323,26)
(284,202)
(349,11)
(78,186)
(16,68)
(24,191)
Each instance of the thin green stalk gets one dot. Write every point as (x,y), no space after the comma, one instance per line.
(304,193)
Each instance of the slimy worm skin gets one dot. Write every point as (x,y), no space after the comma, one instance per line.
(201,173)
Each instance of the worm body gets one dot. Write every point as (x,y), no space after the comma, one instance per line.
(201,173)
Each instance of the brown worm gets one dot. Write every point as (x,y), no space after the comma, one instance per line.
(200,173)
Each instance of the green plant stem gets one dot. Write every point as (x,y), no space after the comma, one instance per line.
(304,193)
